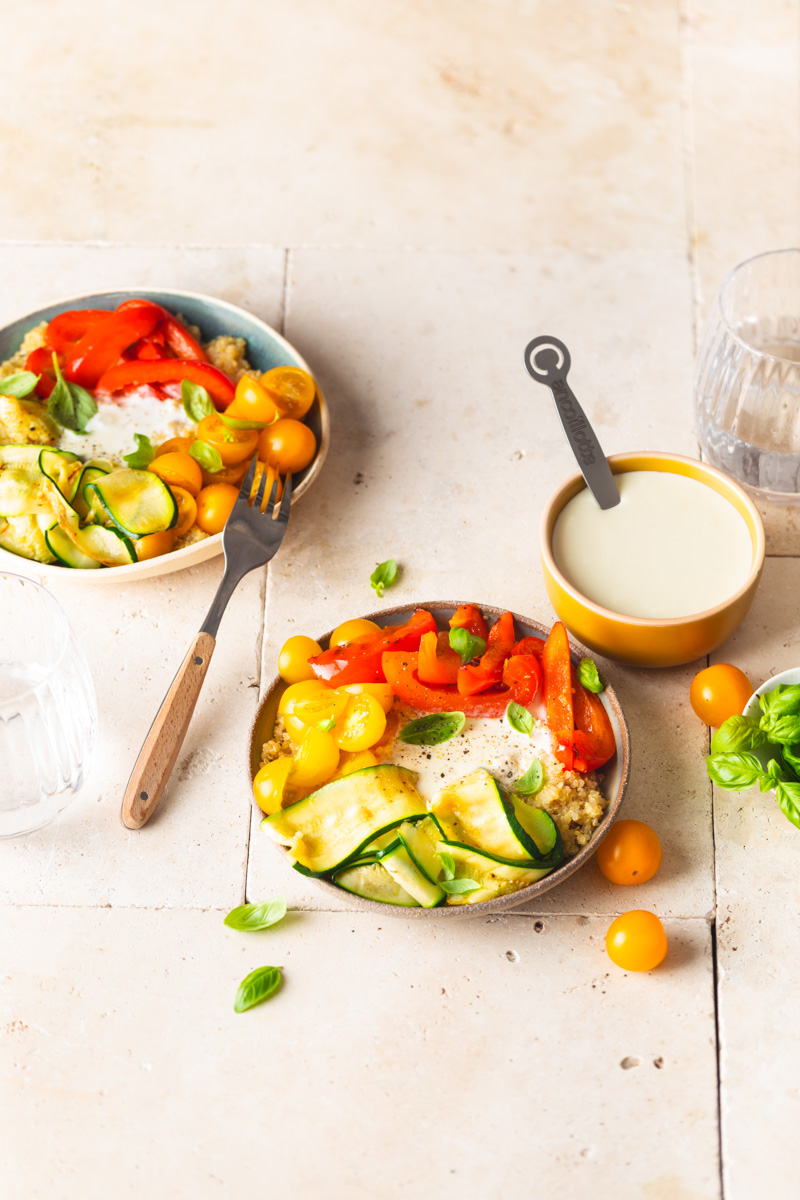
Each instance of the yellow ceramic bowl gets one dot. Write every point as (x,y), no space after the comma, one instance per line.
(648,642)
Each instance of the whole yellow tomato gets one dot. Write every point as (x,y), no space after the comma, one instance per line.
(214,506)
(719,692)
(636,941)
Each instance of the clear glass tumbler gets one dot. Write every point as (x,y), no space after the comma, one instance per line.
(48,711)
(747,381)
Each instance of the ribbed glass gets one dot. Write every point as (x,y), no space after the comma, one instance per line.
(747,381)
(48,711)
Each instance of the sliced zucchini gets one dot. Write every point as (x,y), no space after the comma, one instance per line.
(102,464)
(62,468)
(81,502)
(421,839)
(25,536)
(374,882)
(539,825)
(403,871)
(476,811)
(495,878)
(109,547)
(66,551)
(22,490)
(138,502)
(332,825)
(20,456)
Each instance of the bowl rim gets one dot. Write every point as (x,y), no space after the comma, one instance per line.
(576,483)
(190,555)
(511,899)
(769,685)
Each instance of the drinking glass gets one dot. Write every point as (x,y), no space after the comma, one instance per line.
(747,382)
(48,711)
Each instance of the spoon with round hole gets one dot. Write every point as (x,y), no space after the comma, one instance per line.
(547,360)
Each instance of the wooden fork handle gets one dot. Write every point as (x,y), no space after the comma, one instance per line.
(162,745)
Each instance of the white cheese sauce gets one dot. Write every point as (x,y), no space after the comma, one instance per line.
(671,547)
(109,433)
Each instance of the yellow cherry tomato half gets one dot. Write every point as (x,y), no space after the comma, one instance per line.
(234,474)
(293,659)
(178,469)
(323,711)
(214,506)
(233,445)
(354,762)
(181,444)
(155,544)
(362,724)
(719,692)
(348,631)
(636,941)
(270,784)
(301,691)
(292,388)
(252,402)
(187,510)
(629,853)
(288,446)
(379,691)
(316,759)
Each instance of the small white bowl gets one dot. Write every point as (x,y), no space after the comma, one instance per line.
(751,709)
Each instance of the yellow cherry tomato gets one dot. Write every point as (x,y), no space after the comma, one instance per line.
(181,444)
(288,446)
(214,506)
(233,445)
(316,759)
(252,402)
(379,691)
(636,941)
(155,544)
(354,762)
(179,469)
(292,388)
(348,631)
(293,659)
(270,784)
(629,853)
(324,711)
(233,474)
(719,692)
(301,691)
(362,724)
(187,510)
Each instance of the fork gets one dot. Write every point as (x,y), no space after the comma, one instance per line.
(251,537)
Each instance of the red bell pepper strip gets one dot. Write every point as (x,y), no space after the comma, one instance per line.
(489,670)
(169,370)
(40,361)
(179,340)
(104,342)
(469,617)
(438,662)
(522,675)
(149,349)
(557,678)
(529,645)
(593,737)
(400,670)
(69,327)
(359,661)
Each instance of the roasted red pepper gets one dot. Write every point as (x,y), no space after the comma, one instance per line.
(400,671)
(523,676)
(169,370)
(489,670)
(360,661)
(557,679)
(529,645)
(438,662)
(593,736)
(104,341)
(41,363)
(469,617)
(178,338)
(69,327)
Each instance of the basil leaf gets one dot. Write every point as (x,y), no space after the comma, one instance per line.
(142,456)
(458,886)
(237,423)
(432,729)
(465,645)
(519,718)
(782,730)
(589,676)
(71,406)
(771,777)
(791,758)
(383,576)
(532,781)
(327,725)
(196,401)
(18,385)
(209,457)
(448,864)
(736,772)
(251,917)
(782,701)
(738,733)
(788,796)
(257,987)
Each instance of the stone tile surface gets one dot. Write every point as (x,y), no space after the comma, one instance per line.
(437,1062)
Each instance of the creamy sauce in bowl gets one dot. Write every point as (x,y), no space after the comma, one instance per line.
(671,548)
(109,433)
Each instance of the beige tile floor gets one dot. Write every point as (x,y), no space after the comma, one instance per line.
(409,191)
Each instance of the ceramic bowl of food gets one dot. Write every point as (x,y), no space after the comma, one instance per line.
(230,338)
(471,781)
(665,576)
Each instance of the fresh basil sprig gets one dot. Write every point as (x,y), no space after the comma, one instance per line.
(196,401)
(249,918)
(70,405)
(519,718)
(465,644)
(142,456)
(19,385)
(532,781)
(432,729)
(383,576)
(240,423)
(209,457)
(257,987)
(738,733)
(458,886)
(589,676)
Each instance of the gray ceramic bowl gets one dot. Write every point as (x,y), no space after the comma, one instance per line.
(266,348)
(614,783)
